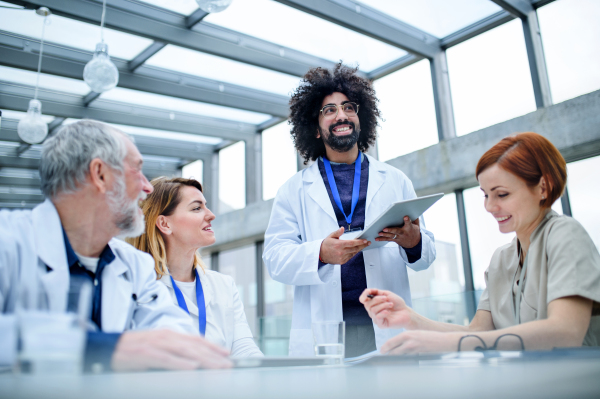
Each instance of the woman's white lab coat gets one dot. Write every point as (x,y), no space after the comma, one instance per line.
(302,217)
(226,323)
(33,258)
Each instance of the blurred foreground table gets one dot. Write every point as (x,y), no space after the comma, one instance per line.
(533,376)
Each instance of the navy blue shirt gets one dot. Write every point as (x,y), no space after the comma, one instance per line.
(99,346)
(353,276)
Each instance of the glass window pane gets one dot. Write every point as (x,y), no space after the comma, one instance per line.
(51,82)
(232,177)
(277,23)
(182,105)
(490,80)
(437,17)
(223,70)
(571,36)
(240,263)
(445,276)
(72,33)
(408,111)
(584,192)
(484,234)
(279,158)
(193,170)
(184,7)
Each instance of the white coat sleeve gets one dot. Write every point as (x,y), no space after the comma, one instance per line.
(8,280)
(243,344)
(428,252)
(287,258)
(160,312)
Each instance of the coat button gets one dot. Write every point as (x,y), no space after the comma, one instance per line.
(334,283)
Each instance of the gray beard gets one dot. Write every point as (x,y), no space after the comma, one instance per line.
(126,215)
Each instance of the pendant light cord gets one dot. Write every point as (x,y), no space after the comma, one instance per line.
(39,69)
(102,21)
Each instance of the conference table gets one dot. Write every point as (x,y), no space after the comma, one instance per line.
(563,374)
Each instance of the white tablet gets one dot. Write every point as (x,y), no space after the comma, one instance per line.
(393,216)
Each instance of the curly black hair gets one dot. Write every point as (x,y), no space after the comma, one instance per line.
(306,103)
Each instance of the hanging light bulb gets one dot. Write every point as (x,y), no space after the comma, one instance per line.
(213,6)
(100,73)
(32,129)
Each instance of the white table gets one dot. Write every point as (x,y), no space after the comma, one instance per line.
(549,378)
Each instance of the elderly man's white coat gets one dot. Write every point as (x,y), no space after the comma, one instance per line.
(32,255)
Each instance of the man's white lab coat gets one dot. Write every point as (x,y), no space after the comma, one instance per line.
(302,217)
(33,257)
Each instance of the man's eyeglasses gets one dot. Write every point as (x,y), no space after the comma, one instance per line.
(330,111)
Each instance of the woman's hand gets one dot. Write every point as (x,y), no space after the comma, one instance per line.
(411,342)
(387,309)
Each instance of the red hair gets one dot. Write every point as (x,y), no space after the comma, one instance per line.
(530,157)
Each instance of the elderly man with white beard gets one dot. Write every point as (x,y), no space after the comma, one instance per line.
(91,176)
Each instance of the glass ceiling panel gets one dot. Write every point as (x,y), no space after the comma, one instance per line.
(72,33)
(223,70)
(181,105)
(289,27)
(437,17)
(163,134)
(51,82)
(184,7)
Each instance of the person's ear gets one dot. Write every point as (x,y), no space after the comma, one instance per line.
(318,134)
(543,188)
(100,176)
(162,222)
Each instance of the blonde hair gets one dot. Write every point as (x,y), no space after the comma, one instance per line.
(162,201)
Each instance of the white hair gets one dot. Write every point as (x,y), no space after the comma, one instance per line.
(66,156)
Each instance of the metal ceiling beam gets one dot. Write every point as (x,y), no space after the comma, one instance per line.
(19,181)
(22,52)
(270,123)
(370,22)
(518,8)
(158,24)
(476,28)
(18,194)
(394,66)
(16,97)
(195,18)
(145,55)
(147,145)
(151,168)
(20,205)
(537,61)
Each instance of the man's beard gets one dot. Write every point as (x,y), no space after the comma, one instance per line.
(341,143)
(127,217)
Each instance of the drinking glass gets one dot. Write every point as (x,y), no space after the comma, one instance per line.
(53,342)
(329,340)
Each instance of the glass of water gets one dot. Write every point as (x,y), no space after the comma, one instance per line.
(53,341)
(329,340)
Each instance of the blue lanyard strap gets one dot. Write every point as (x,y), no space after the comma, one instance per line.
(355,187)
(199,301)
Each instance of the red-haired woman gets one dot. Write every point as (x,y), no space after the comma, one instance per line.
(543,289)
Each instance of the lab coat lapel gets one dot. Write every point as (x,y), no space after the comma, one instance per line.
(50,249)
(117,291)
(377,176)
(317,190)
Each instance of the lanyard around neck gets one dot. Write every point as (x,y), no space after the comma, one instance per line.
(517,307)
(355,187)
(199,301)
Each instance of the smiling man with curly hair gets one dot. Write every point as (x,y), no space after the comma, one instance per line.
(334,119)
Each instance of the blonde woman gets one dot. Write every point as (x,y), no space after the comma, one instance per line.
(177,225)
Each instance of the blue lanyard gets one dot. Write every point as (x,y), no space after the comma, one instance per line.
(355,187)
(199,300)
